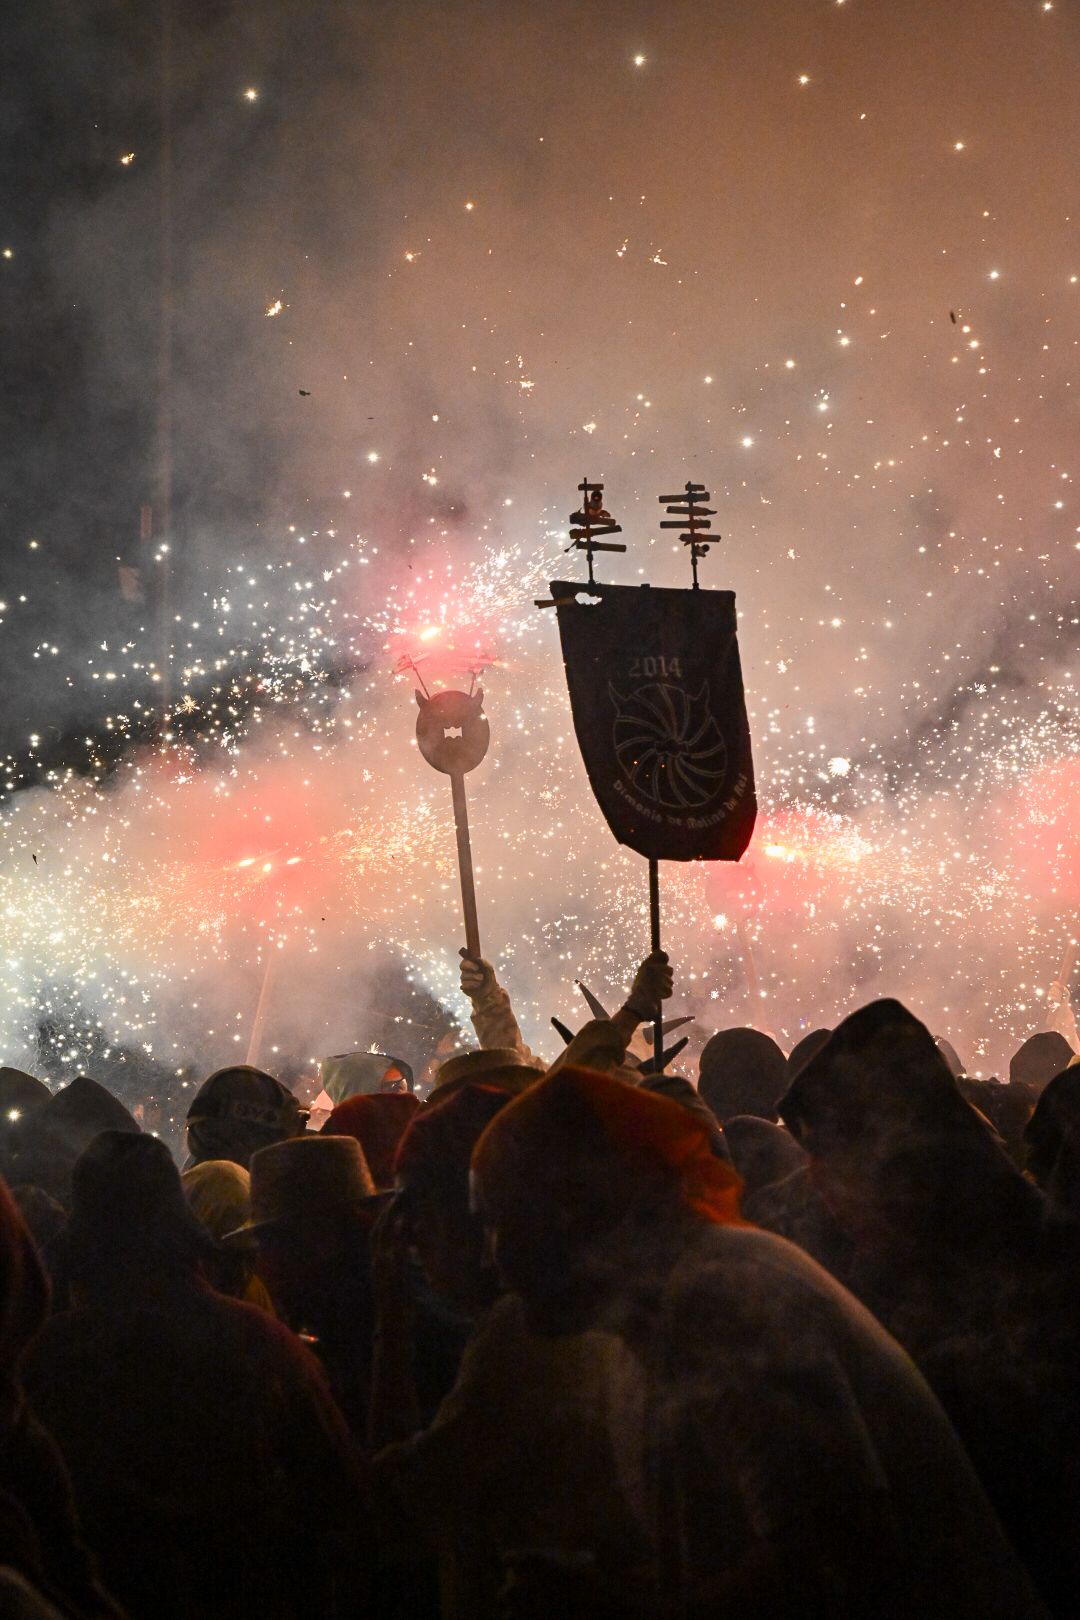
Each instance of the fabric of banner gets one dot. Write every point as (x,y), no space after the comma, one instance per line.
(657,697)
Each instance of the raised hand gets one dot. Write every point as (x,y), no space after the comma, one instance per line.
(653,983)
(477,976)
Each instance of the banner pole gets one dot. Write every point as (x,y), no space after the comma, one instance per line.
(654,945)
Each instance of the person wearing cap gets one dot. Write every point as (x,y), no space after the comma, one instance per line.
(219,1196)
(212,1471)
(237,1111)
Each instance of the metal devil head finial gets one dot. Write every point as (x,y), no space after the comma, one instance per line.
(452,731)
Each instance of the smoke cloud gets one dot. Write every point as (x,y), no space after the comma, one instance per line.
(379,318)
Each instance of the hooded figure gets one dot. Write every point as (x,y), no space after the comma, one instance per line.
(38,1533)
(516,1484)
(901,1158)
(364,1074)
(212,1472)
(742,1072)
(1040,1057)
(20,1094)
(236,1112)
(949,1253)
(1052,1141)
(787,1458)
(762,1153)
(52,1137)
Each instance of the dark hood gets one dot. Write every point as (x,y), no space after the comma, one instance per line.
(24,1300)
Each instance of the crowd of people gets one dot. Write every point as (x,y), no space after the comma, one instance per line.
(574,1341)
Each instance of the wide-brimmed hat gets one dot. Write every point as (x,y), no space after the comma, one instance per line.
(502,1066)
(305,1178)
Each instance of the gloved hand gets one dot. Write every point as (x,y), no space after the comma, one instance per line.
(653,983)
(477,976)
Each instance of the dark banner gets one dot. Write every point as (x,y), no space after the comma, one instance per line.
(657,696)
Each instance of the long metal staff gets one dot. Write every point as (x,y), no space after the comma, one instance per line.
(453,736)
(654,938)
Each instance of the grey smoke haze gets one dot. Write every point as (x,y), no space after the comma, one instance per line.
(647,249)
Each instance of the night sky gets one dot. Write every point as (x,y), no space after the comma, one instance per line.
(378,285)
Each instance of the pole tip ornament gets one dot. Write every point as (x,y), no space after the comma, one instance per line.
(692,516)
(452,730)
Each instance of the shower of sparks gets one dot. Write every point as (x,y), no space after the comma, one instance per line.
(282,807)
(254,787)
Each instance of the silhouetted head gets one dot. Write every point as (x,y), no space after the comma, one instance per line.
(762,1153)
(953,1061)
(1052,1141)
(581,1177)
(806,1047)
(742,1072)
(1040,1058)
(239,1110)
(313,1205)
(378,1123)
(129,1220)
(896,1152)
(433,1176)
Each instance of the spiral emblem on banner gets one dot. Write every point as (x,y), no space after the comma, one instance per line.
(669,747)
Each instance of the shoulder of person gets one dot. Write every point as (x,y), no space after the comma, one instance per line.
(751,1274)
